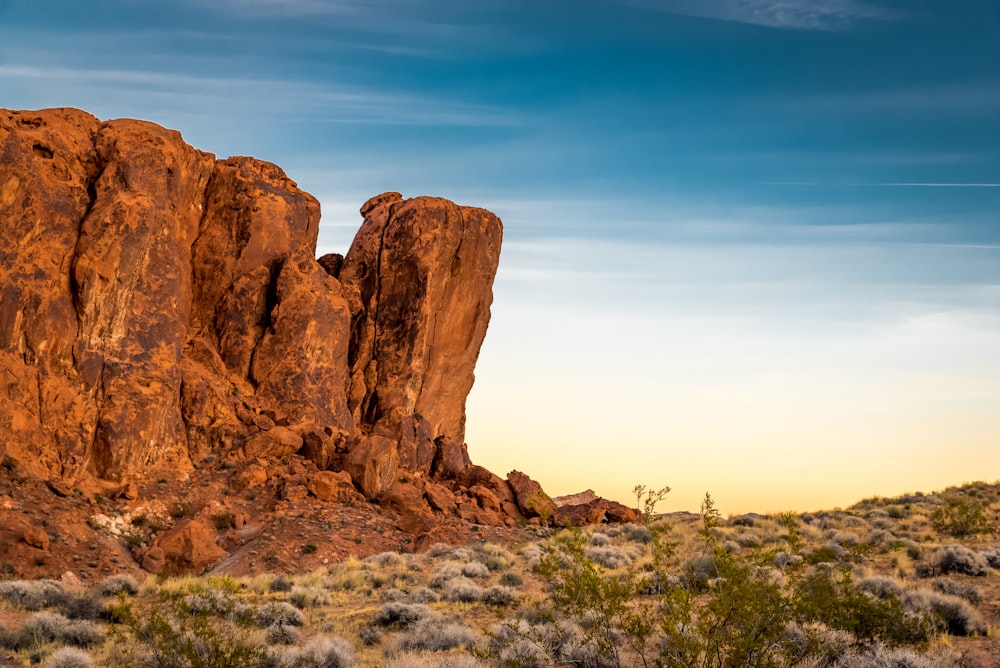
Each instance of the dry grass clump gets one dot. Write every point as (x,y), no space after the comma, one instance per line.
(69,657)
(319,652)
(119,584)
(435,634)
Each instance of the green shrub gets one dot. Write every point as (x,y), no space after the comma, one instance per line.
(961,515)
(173,637)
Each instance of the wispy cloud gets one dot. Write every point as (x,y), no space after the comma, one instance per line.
(823,15)
(319,102)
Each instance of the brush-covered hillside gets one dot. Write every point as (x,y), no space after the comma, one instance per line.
(908,581)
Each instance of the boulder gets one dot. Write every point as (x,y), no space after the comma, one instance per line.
(153,559)
(531,499)
(415,516)
(35,537)
(333,486)
(440,497)
(277,442)
(372,463)
(189,547)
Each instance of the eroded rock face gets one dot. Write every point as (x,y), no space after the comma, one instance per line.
(420,274)
(161,310)
(156,301)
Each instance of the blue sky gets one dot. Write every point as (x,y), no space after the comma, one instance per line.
(751,246)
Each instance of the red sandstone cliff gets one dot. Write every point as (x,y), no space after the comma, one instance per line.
(160,309)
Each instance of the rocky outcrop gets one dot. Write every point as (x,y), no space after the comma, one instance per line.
(155,301)
(587,508)
(161,310)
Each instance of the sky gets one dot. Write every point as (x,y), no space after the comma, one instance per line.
(751,247)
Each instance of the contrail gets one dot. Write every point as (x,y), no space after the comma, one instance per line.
(883,185)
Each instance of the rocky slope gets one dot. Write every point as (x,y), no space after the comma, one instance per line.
(162,314)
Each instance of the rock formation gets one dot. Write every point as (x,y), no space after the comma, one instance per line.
(161,309)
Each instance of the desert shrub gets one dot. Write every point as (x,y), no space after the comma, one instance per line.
(511,580)
(280,584)
(279,634)
(423,595)
(992,557)
(531,554)
(830,553)
(461,590)
(959,559)
(956,614)
(279,612)
(370,635)
(119,584)
(444,573)
(881,586)
(878,655)
(172,637)
(475,569)
(845,538)
(69,657)
(448,661)
(599,539)
(637,534)
(209,602)
(43,627)
(86,605)
(610,556)
(499,596)
(969,592)
(742,521)
(401,615)
(322,652)
(831,597)
(747,539)
(32,595)
(386,560)
(881,537)
(961,515)
(308,597)
(513,644)
(494,557)
(699,570)
(436,635)
(392,594)
(438,550)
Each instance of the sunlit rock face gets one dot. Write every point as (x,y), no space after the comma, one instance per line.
(158,306)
